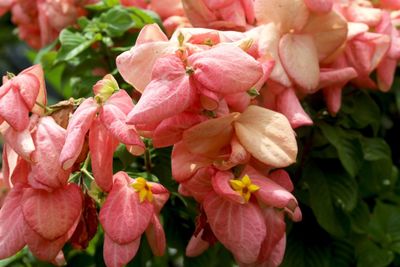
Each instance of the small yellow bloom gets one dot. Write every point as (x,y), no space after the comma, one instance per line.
(244,187)
(143,188)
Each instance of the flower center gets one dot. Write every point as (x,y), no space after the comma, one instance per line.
(143,188)
(244,187)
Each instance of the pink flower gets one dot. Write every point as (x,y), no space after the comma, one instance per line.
(131,209)
(42,209)
(105,117)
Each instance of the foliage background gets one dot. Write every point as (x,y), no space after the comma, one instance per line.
(346,177)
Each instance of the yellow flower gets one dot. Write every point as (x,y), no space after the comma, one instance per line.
(244,187)
(143,188)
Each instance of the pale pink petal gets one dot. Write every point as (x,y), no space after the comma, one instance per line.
(209,137)
(160,196)
(199,185)
(12,223)
(282,178)
(221,186)
(286,14)
(170,130)
(102,146)
(299,57)
(356,28)
(319,6)
(14,110)
(52,214)
(151,33)
(28,86)
(367,15)
(267,135)
(136,65)
(239,227)
(78,126)
(168,94)
(117,255)
(184,163)
(167,8)
(339,76)
(198,13)
(225,69)
(289,105)
(386,72)
(122,100)
(114,119)
(156,237)
(390,4)
(37,71)
(122,216)
(21,142)
(333,98)
(329,32)
(49,139)
(196,245)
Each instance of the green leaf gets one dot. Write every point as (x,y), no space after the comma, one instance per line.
(72,44)
(384,226)
(332,193)
(117,21)
(369,254)
(360,217)
(376,149)
(347,145)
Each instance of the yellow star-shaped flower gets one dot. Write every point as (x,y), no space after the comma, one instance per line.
(143,188)
(244,187)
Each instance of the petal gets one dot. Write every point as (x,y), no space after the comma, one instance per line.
(44,249)
(102,146)
(49,140)
(14,110)
(333,98)
(151,33)
(52,214)
(199,185)
(289,105)
(319,6)
(267,135)
(122,216)
(367,15)
(196,245)
(184,163)
(221,186)
(225,69)
(209,137)
(156,237)
(282,178)
(122,100)
(286,14)
(78,126)
(170,130)
(168,94)
(21,142)
(240,228)
(117,255)
(299,57)
(41,98)
(340,76)
(136,65)
(14,168)
(114,119)
(28,86)
(329,32)
(160,196)
(12,224)
(198,13)
(386,72)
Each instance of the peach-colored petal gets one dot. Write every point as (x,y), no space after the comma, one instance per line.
(37,71)
(156,237)
(14,110)
(21,142)
(299,57)
(199,185)
(329,32)
(286,14)
(151,33)
(333,98)
(267,135)
(367,15)
(210,136)
(221,186)
(386,72)
(196,245)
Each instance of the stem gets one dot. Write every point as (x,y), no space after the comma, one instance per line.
(147,160)
(46,109)
(87,173)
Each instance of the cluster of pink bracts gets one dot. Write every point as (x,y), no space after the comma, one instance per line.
(208,93)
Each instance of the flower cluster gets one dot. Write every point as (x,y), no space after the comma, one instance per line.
(43,208)
(226,97)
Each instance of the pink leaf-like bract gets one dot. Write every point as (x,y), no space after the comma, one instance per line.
(117,255)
